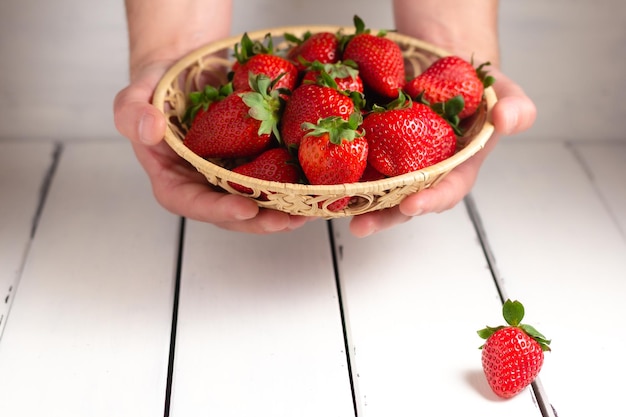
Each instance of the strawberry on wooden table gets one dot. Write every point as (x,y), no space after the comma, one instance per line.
(334,152)
(512,356)
(448,77)
(257,58)
(275,164)
(407,136)
(379,59)
(238,125)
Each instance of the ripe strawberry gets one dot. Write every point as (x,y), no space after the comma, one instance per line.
(407,137)
(257,58)
(239,125)
(512,356)
(449,77)
(370,174)
(275,164)
(380,60)
(322,47)
(344,74)
(309,103)
(333,152)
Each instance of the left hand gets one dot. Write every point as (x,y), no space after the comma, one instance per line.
(513,113)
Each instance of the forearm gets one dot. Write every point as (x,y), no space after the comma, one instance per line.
(167,29)
(464,27)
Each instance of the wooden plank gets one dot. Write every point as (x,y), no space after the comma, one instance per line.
(89,329)
(23,168)
(259,327)
(560,252)
(605,162)
(414,297)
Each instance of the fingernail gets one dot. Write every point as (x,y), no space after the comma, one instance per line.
(145,123)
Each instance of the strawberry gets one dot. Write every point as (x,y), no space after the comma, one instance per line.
(239,125)
(307,104)
(344,74)
(448,77)
(370,174)
(406,137)
(257,58)
(512,355)
(380,60)
(322,47)
(334,152)
(275,164)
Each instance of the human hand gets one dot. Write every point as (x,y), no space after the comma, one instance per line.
(513,113)
(176,185)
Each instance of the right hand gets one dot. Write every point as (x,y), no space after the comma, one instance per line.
(176,185)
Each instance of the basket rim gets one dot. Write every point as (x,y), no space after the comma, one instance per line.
(477,142)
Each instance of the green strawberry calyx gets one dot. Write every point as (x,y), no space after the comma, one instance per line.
(483,74)
(513,313)
(337,128)
(246,48)
(201,100)
(265,103)
(336,70)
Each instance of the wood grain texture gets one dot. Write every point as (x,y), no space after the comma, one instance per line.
(89,330)
(23,169)
(259,327)
(560,251)
(414,297)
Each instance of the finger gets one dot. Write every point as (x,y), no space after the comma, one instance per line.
(369,223)
(136,119)
(514,112)
(267,221)
(176,191)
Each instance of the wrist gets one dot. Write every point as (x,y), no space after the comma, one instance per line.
(467,29)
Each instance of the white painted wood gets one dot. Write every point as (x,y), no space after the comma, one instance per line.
(606,162)
(23,167)
(89,329)
(414,296)
(259,328)
(561,253)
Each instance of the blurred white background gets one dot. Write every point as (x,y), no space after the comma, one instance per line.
(63,61)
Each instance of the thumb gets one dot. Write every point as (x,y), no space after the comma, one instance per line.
(514,112)
(134,116)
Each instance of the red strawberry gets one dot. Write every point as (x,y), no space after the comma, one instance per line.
(257,58)
(307,104)
(407,138)
(370,174)
(322,47)
(240,125)
(449,77)
(275,164)
(380,60)
(344,74)
(333,152)
(512,356)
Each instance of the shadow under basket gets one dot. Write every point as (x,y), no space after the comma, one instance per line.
(210,64)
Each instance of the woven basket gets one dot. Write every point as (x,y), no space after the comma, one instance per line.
(211,63)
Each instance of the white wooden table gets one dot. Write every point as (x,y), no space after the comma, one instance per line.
(111,306)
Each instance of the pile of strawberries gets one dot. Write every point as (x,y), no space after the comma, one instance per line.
(332,109)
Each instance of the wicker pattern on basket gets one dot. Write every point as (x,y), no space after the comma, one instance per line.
(211,63)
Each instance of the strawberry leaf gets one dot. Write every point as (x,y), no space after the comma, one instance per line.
(535,334)
(336,128)
(513,312)
(264,104)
